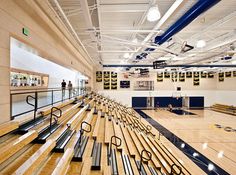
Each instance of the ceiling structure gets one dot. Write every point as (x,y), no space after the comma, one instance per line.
(115,32)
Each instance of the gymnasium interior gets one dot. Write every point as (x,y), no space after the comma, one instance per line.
(118,87)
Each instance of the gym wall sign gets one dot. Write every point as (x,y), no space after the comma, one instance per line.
(225,128)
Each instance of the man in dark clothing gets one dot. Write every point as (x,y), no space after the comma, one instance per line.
(63,87)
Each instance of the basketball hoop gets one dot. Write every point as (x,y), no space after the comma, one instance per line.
(176,95)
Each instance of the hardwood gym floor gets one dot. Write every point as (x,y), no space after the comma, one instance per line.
(200,132)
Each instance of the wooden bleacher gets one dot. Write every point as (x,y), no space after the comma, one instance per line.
(224,109)
(84,140)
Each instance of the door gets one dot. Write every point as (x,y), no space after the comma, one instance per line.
(139,102)
(196,102)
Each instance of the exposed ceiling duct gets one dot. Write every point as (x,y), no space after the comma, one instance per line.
(196,10)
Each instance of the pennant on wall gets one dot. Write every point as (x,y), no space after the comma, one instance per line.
(182,77)
(196,79)
(159,76)
(228,74)
(99,76)
(210,75)
(221,77)
(106,80)
(113,80)
(189,74)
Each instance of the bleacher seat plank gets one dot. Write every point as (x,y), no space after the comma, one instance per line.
(108,131)
(120,163)
(129,142)
(155,156)
(148,148)
(96,127)
(8,127)
(167,154)
(64,162)
(10,149)
(118,133)
(29,166)
(136,142)
(76,118)
(107,170)
(86,166)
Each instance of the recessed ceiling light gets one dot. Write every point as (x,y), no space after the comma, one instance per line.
(153,14)
(126,55)
(201,44)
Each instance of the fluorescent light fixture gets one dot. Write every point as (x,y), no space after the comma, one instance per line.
(123,61)
(192,54)
(201,44)
(153,14)
(135,40)
(220,154)
(210,167)
(126,55)
(233,62)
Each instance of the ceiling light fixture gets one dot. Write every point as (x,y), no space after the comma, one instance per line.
(201,44)
(233,62)
(153,14)
(126,55)
(135,40)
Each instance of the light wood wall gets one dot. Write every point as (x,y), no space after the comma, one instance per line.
(46,34)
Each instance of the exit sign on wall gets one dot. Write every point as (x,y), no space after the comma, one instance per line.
(25,31)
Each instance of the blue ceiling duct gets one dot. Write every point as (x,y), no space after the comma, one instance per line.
(196,10)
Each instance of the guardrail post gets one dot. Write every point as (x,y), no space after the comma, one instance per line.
(52,98)
(35,104)
(11,107)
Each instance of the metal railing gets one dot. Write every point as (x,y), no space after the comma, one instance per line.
(26,101)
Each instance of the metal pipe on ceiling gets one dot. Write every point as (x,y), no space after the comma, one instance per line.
(162,21)
(197,9)
(72,29)
(174,66)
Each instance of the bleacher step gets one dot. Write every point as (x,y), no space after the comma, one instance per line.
(96,156)
(63,140)
(79,149)
(44,134)
(24,128)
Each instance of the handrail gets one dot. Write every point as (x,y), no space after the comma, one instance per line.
(173,171)
(39,94)
(82,129)
(114,143)
(56,116)
(35,105)
(145,158)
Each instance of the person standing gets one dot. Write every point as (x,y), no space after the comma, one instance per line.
(63,87)
(70,86)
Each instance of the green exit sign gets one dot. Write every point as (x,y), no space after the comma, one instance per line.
(25,31)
